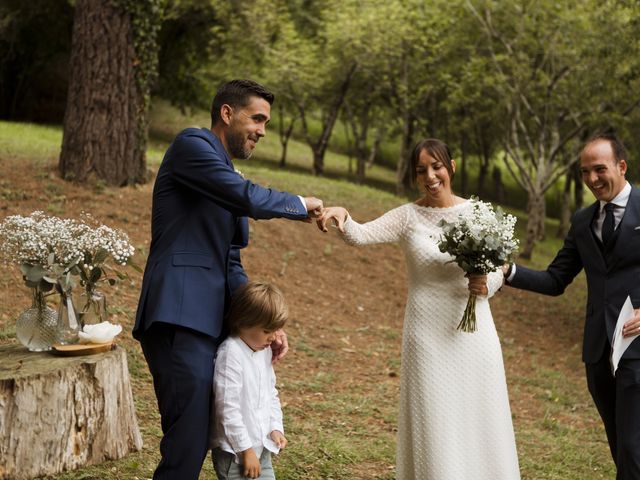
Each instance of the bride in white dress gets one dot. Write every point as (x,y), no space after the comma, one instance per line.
(454,415)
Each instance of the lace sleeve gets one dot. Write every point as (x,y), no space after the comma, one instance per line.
(494,281)
(390,227)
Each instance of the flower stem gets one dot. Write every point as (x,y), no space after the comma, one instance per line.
(468,322)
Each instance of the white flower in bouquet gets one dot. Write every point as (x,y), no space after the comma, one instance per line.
(480,242)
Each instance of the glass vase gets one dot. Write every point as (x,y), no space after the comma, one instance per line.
(68,325)
(94,309)
(36,327)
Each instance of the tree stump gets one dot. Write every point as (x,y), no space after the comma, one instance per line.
(58,413)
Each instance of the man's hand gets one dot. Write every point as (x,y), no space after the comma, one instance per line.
(339,215)
(278,437)
(279,347)
(632,327)
(251,463)
(314,206)
(478,284)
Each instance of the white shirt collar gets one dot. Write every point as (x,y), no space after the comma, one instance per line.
(621,199)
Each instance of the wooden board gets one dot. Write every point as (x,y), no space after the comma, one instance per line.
(81,349)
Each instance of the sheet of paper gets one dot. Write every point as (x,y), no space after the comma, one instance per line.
(620,343)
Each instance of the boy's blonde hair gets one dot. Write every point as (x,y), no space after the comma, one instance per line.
(257,304)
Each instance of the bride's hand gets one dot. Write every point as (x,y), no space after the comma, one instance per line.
(337,214)
(478,284)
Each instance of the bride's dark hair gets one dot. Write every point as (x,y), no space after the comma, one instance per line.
(436,149)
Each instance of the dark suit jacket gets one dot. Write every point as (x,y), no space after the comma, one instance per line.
(199,224)
(612,274)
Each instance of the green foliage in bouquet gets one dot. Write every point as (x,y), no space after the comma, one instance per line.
(480,242)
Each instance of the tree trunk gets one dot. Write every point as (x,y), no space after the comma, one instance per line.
(464,177)
(578,189)
(285,135)
(498,186)
(536,210)
(565,207)
(320,146)
(403,173)
(105,124)
(376,146)
(58,413)
(360,135)
(485,161)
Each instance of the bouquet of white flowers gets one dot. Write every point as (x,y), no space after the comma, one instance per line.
(479,242)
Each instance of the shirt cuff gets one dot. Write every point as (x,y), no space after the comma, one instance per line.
(511,272)
(304,205)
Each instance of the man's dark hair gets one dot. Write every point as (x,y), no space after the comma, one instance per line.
(619,151)
(237,93)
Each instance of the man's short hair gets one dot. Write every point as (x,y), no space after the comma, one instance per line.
(257,304)
(237,93)
(619,151)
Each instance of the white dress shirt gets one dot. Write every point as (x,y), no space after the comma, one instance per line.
(247,407)
(620,202)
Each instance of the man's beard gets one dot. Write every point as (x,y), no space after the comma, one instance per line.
(237,146)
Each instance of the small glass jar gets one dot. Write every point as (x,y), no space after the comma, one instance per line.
(36,327)
(68,325)
(94,308)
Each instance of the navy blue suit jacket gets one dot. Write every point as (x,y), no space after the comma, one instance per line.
(612,274)
(199,224)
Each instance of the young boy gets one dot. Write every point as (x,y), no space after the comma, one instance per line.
(247,425)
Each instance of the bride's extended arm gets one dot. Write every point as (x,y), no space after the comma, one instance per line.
(388,228)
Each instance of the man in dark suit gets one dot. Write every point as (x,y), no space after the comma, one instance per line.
(199,224)
(604,240)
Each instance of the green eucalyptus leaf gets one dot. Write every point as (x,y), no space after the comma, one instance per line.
(31,284)
(34,273)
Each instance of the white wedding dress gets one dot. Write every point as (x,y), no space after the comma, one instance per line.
(454,415)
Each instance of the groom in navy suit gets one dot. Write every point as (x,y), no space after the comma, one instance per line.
(199,224)
(604,240)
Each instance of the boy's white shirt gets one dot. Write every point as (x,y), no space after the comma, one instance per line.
(247,407)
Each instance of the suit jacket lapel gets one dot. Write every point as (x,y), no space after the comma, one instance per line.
(630,220)
(589,218)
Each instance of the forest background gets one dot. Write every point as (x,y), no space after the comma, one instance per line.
(514,87)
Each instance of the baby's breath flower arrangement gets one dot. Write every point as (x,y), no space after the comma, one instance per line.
(100,245)
(52,252)
(479,242)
